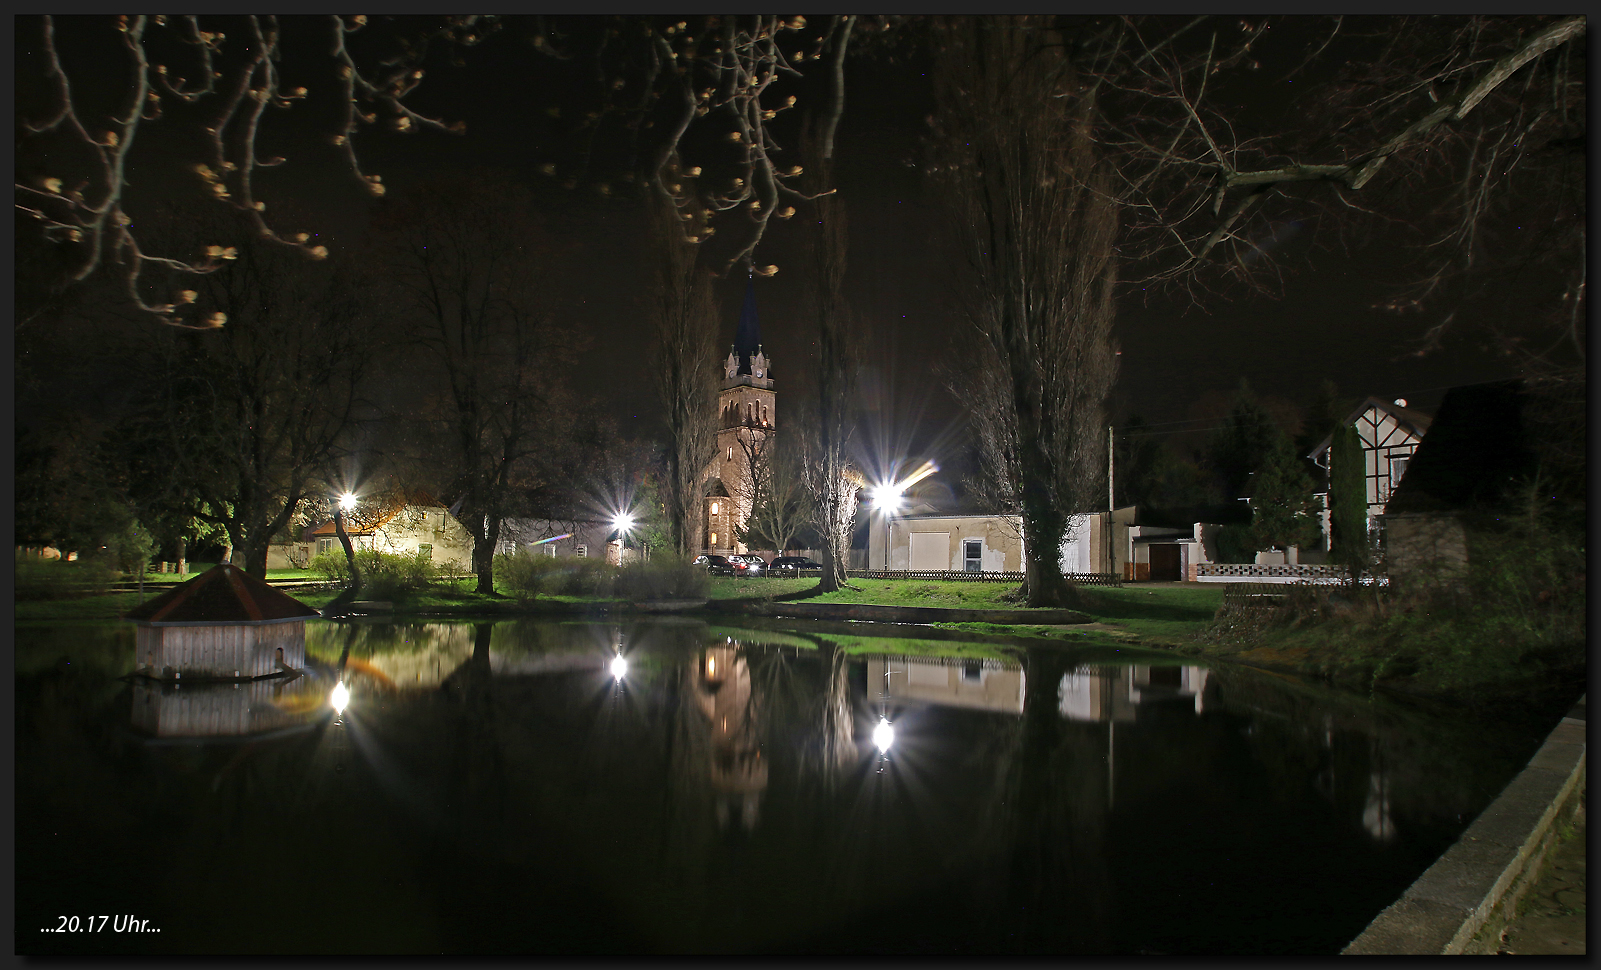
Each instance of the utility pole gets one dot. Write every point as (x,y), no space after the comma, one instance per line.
(1111,502)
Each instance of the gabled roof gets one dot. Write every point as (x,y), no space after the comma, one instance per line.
(221,594)
(1488,436)
(1414,421)
(365,520)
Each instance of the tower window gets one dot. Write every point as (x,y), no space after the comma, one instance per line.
(714,508)
(714,540)
(730,452)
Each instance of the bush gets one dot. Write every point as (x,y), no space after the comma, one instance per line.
(528,575)
(1236,544)
(666,577)
(53,579)
(384,575)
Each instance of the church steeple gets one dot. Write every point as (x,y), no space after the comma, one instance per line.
(748,336)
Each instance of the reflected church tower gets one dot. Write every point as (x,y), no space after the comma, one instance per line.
(722,683)
(746,416)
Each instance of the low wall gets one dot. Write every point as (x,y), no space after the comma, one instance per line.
(1458,903)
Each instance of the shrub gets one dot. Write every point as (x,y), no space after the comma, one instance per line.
(330,566)
(51,580)
(528,575)
(384,575)
(666,577)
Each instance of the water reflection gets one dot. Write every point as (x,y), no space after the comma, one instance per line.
(721,687)
(979,684)
(1107,693)
(727,799)
(226,710)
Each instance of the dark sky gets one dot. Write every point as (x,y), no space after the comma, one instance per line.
(1178,358)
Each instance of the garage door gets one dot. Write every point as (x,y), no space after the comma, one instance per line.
(931,550)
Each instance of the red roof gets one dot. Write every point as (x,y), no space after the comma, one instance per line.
(374,516)
(221,594)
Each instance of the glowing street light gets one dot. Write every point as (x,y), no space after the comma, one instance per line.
(347,501)
(619,667)
(623,522)
(887,498)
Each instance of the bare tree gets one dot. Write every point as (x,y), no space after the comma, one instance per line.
(1460,135)
(831,477)
(651,73)
(685,369)
(475,299)
(235,425)
(1032,198)
(774,491)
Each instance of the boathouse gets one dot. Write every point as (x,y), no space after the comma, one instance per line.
(221,625)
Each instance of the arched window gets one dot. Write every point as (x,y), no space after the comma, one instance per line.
(714,540)
(714,508)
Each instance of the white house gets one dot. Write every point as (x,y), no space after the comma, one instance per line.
(406,523)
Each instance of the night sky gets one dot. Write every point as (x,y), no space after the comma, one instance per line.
(1180,360)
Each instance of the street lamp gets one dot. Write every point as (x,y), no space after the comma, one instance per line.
(887,498)
(623,523)
(347,501)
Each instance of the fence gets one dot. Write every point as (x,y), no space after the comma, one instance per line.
(1083,579)
(1235,573)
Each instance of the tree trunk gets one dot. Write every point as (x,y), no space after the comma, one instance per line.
(183,553)
(484,554)
(350,551)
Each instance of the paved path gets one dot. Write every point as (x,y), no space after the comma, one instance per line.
(1550,917)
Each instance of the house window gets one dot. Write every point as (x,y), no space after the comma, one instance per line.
(550,550)
(973,555)
(583,551)
(324,545)
(1397,468)
(425,550)
(714,508)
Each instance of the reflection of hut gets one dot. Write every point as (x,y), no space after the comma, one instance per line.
(224,710)
(222,624)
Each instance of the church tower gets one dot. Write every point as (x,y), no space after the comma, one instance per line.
(745,424)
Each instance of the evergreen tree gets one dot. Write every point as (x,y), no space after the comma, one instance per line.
(1284,512)
(1348,505)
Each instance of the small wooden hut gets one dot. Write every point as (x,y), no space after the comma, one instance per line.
(221,625)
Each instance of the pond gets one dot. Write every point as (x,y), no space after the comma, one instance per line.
(706,787)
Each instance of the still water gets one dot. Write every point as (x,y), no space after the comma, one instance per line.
(515,787)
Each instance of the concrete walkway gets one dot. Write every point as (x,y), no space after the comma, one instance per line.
(1550,918)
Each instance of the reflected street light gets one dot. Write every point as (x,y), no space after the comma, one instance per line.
(339,698)
(883,734)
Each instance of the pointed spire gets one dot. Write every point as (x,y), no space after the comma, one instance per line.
(748,337)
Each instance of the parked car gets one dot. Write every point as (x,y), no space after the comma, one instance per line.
(748,565)
(793,564)
(716,565)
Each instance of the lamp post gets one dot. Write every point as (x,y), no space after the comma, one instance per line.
(623,522)
(887,498)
